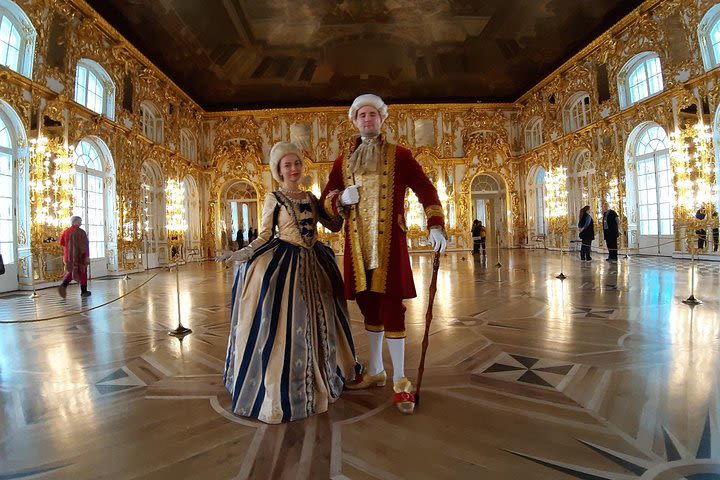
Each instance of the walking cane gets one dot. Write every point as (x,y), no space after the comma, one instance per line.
(428,321)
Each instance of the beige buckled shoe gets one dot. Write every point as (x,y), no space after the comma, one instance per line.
(363,380)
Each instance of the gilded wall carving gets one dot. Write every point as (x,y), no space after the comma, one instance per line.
(464,140)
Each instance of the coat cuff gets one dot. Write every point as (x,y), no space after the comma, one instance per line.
(332,204)
(435,216)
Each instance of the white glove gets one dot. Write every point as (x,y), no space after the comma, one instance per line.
(223,257)
(437,240)
(349,196)
(242,255)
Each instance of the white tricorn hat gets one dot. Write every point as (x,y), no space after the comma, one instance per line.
(278,151)
(368,99)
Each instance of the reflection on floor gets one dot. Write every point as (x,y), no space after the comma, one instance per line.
(606,375)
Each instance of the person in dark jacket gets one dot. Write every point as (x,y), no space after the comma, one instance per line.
(586,229)
(475,231)
(611,231)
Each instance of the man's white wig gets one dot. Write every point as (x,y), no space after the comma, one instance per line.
(368,99)
(278,151)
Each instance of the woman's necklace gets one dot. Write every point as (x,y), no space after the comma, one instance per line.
(291,191)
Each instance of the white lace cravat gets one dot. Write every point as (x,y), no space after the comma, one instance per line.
(365,158)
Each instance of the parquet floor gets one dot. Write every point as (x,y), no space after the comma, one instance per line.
(605,375)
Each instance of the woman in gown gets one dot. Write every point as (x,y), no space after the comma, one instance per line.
(290,348)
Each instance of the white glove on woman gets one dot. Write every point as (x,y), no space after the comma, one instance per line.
(349,196)
(437,240)
(223,257)
(242,255)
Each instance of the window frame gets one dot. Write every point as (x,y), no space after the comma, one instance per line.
(27,33)
(654,157)
(709,22)
(11,152)
(107,97)
(188,145)
(87,172)
(572,121)
(534,134)
(540,193)
(625,90)
(152,123)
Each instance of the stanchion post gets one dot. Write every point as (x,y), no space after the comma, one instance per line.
(691,300)
(562,275)
(180,331)
(497,242)
(34,293)
(176,227)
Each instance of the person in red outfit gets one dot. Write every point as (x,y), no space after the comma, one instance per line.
(367,188)
(76,256)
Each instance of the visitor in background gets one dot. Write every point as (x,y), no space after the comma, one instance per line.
(611,231)
(586,230)
(76,257)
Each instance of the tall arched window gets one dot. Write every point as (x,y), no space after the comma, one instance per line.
(716,146)
(151,122)
(576,113)
(7,160)
(533,134)
(540,192)
(192,213)
(153,214)
(640,78)
(709,36)
(581,182)
(17,39)
(239,211)
(653,181)
(188,145)
(94,88)
(90,194)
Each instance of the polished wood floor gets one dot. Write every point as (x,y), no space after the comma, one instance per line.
(605,375)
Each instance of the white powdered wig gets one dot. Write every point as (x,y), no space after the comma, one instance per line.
(278,151)
(368,99)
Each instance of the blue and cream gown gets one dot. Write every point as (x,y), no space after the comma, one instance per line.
(290,346)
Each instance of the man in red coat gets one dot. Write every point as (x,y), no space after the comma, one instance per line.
(367,187)
(76,256)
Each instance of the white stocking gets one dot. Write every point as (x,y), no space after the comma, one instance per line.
(397,354)
(375,362)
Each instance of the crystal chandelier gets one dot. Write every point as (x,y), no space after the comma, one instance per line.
(693,164)
(52,182)
(556,198)
(175,207)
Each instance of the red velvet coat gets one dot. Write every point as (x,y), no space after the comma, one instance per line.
(398,172)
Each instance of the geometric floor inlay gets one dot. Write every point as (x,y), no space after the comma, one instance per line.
(120,380)
(536,371)
(689,465)
(592,312)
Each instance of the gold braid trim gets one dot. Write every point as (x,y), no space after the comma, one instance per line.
(434,211)
(387,184)
(374,328)
(354,237)
(329,205)
(400,334)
